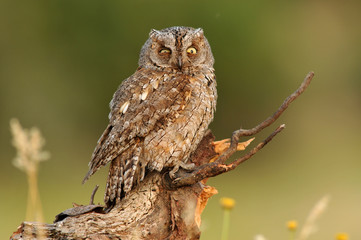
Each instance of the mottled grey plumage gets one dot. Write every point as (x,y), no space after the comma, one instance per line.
(160,113)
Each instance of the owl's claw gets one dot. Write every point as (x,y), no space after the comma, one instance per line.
(189,166)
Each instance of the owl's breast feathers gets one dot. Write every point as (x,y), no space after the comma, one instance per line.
(158,116)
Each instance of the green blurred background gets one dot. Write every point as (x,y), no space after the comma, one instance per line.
(61,61)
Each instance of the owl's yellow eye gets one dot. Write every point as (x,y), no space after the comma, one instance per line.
(192,50)
(164,50)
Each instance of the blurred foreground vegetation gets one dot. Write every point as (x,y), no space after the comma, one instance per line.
(61,61)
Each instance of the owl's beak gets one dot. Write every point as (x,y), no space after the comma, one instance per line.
(179,63)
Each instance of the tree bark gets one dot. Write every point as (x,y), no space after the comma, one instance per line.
(153,210)
(159,207)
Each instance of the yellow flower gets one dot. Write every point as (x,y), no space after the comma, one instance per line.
(227,203)
(292,225)
(342,236)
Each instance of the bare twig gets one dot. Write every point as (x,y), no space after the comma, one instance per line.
(234,164)
(250,132)
(213,169)
(93,194)
(218,166)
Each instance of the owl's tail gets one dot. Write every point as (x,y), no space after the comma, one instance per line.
(125,172)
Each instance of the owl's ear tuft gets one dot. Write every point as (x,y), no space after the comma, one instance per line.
(199,32)
(154,33)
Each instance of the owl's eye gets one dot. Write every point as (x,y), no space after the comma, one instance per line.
(192,50)
(164,51)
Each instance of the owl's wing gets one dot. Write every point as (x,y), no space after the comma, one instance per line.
(144,102)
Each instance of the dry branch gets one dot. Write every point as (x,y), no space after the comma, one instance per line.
(159,207)
(218,167)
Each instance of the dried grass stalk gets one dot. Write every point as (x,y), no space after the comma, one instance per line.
(29,154)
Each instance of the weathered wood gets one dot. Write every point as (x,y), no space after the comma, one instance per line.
(151,211)
(159,207)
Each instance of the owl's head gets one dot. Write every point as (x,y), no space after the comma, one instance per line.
(177,48)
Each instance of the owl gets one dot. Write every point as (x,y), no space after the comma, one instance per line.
(160,113)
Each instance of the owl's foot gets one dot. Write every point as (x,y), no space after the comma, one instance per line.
(186,166)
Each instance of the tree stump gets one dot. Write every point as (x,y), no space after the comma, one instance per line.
(159,207)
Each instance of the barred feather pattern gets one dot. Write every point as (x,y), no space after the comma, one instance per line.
(158,117)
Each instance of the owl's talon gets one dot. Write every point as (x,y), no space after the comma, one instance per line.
(176,180)
(189,166)
(173,171)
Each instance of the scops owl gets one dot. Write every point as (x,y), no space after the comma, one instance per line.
(159,114)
